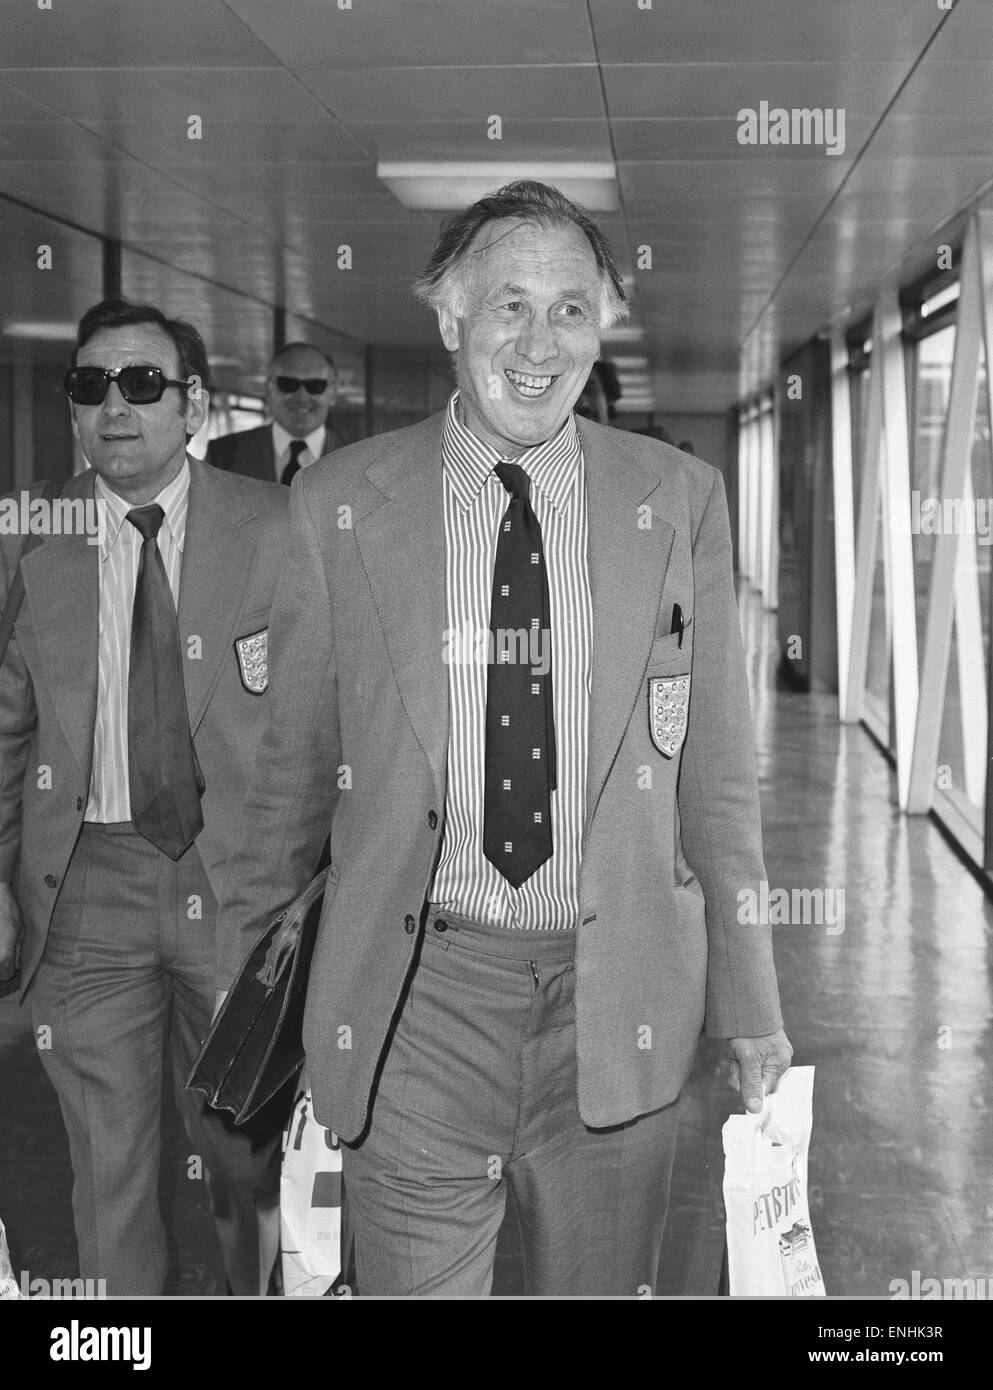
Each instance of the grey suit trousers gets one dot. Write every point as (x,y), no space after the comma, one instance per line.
(478,1090)
(128,976)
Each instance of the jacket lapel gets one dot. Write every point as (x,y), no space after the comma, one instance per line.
(628,564)
(62,596)
(402,543)
(218,559)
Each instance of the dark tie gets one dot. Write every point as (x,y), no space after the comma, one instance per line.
(292,466)
(162,769)
(520,729)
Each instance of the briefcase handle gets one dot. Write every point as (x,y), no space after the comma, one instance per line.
(284,943)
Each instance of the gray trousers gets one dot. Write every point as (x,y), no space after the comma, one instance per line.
(128,977)
(478,1090)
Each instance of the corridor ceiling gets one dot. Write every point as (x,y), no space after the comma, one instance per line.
(753,247)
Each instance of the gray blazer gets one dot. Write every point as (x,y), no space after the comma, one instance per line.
(358,743)
(235,535)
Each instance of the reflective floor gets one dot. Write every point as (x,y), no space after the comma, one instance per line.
(894,1011)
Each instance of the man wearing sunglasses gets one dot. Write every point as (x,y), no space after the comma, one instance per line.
(298,387)
(132,700)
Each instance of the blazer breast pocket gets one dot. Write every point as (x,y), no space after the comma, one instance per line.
(668,654)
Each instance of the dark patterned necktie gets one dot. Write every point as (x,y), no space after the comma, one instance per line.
(520,728)
(292,467)
(162,768)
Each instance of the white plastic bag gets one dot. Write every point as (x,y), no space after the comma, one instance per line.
(309,1202)
(9,1287)
(770,1243)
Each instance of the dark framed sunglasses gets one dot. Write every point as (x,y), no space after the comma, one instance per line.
(313,385)
(138,385)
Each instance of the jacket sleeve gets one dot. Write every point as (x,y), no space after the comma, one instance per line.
(18,718)
(719,811)
(294,791)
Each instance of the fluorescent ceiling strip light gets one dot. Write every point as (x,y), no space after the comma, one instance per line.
(628,333)
(938,301)
(41,330)
(443,185)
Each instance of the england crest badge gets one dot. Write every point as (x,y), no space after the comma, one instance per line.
(668,708)
(253,661)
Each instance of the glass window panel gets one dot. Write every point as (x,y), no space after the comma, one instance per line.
(408,385)
(878,666)
(860,412)
(951,749)
(50,277)
(962,745)
(982,486)
(931,385)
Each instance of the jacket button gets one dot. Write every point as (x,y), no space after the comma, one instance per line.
(79,803)
(432,819)
(50,880)
(409,925)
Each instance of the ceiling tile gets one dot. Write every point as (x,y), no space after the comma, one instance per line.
(474,94)
(239,145)
(127,33)
(967,33)
(168,97)
(963,88)
(770,31)
(722,89)
(299,101)
(374,34)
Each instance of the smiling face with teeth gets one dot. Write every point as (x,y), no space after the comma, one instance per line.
(530,333)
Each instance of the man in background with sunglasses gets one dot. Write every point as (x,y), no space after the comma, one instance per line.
(132,700)
(299,385)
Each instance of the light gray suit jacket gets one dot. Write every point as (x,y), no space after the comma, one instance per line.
(235,536)
(358,743)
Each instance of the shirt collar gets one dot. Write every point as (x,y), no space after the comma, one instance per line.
(173,499)
(282,439)
(551,465)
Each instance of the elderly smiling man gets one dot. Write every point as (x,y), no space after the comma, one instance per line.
(536,863)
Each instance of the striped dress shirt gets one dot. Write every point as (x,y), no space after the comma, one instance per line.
(474,503)
(120,550)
